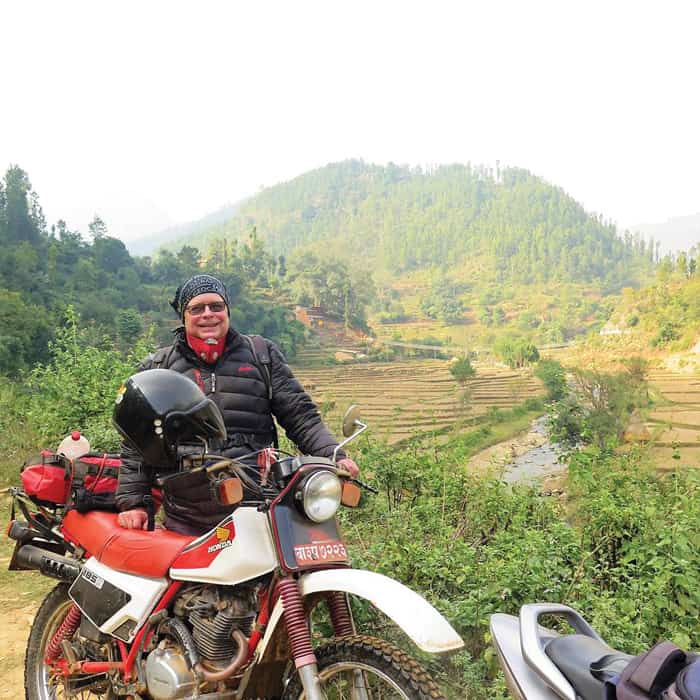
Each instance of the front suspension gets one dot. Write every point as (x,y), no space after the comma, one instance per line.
(300,638)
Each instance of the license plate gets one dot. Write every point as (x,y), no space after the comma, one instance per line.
(320,552)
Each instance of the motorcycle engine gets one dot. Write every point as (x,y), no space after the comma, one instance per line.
(212,613)
(168,676)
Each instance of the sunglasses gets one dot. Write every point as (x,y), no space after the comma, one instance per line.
(198,309)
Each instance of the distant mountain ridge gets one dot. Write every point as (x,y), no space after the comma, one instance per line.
(170,236)
(399,219)
(678,233)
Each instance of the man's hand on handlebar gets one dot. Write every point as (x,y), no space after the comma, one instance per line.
(136,519)
(349,466)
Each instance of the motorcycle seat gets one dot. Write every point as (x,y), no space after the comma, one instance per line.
(131,551)
(579,657)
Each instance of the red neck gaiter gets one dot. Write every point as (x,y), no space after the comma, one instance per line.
(209,350)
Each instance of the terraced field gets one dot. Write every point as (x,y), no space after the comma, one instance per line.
(400,398)
(675,423)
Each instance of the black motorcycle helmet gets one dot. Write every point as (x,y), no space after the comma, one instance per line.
(158,409)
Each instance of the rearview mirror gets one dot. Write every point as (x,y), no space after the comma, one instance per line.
(352,415)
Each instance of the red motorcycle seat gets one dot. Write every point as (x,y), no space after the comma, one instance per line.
(132,551)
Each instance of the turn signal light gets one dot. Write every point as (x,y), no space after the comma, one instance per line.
(230,491)
(351,494)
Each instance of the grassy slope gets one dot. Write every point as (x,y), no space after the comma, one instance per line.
(533,312)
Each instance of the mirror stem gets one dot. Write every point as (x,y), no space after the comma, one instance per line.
(362,427)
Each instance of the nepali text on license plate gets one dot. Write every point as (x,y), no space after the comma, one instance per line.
(325,551)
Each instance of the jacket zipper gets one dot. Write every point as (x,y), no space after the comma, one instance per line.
(213,382)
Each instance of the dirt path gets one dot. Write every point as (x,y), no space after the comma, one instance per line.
(21,593)
(13,639)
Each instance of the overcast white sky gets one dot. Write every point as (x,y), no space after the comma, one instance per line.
(152,113)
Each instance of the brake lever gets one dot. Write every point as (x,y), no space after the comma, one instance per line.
(361,484)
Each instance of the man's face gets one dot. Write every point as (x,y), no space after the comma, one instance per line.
(201,321)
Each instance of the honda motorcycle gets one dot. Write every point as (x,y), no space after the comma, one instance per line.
(226,615)
(540,664)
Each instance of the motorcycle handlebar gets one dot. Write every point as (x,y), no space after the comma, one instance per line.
(283,468)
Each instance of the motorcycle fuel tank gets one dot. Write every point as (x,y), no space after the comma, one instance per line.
(238,549)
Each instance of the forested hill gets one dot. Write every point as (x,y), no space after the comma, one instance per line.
(400,219)
(44,270)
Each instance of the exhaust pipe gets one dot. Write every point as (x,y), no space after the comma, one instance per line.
(48,563)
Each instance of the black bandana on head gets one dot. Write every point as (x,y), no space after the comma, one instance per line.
(199,284)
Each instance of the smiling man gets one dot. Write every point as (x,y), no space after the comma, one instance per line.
(228,367)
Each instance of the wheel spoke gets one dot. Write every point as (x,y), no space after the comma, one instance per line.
(360,667)
(357,681)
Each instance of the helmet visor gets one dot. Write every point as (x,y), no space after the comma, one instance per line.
(202,422)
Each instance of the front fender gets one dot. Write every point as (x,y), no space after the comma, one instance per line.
(428,629)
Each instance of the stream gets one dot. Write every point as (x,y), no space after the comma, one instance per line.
(537,462)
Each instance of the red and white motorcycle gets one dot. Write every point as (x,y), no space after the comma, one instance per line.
(161,615)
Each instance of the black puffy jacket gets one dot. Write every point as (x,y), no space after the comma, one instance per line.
(237,386)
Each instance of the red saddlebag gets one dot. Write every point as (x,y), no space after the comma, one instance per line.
(49,479)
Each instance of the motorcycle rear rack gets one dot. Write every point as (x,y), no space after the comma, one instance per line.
(532,643)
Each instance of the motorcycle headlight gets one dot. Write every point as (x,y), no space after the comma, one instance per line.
(320,496)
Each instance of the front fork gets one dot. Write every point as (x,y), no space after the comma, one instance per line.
(343,626)
(300,638)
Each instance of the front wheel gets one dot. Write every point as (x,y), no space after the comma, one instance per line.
(368,669)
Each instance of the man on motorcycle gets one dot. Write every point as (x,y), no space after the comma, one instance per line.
(226,365)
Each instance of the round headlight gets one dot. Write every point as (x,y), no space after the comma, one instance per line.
(320,496)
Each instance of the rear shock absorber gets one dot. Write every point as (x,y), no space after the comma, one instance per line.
(295,620)
(65,631)
(340,614)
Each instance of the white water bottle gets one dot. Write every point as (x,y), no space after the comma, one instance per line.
(74,446)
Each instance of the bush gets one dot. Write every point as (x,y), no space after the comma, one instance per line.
(566,421)
(553,376)
(461,369)
(516,352)
(599,405)
(649,576)
(669,331)
(392,317)
(442,303)
(474,546)
(75,389)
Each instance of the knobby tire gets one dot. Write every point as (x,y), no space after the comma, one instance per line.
(381,663)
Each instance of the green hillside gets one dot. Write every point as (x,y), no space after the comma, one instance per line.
(44,270)
(665,315)
(400,219)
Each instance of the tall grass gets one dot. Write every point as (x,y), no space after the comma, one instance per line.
(17,437)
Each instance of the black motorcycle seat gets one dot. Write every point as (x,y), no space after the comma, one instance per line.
(575,654)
